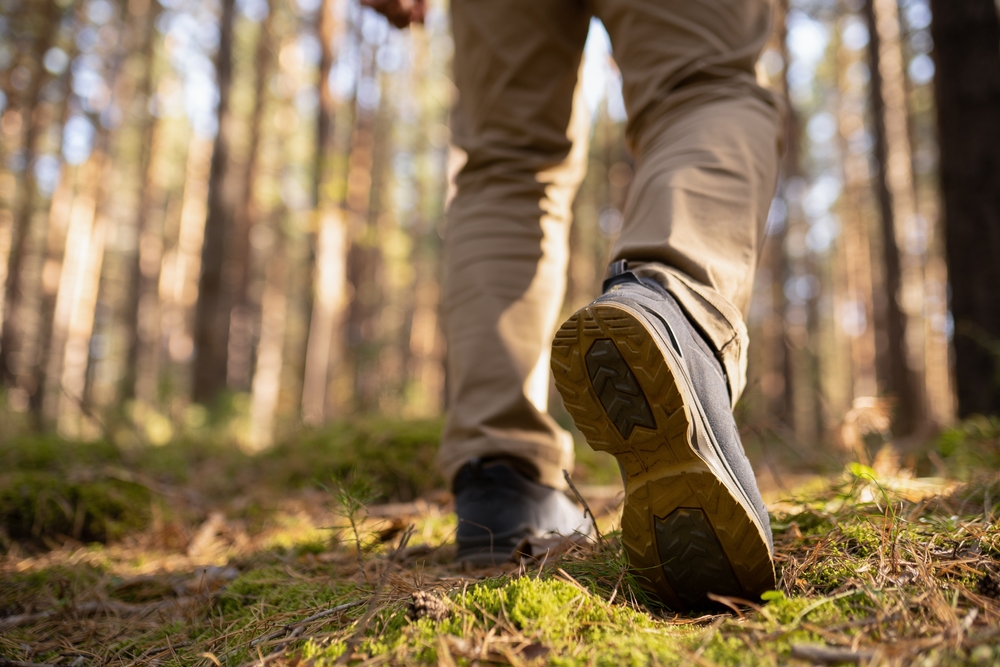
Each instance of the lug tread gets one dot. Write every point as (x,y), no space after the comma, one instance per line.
(663,473)
(697,563)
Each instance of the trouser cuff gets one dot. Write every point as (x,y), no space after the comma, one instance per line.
(549,457)
(720,321)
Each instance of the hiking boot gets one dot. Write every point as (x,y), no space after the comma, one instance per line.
(642,383)
(499,503)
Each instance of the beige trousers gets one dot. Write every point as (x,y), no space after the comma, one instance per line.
(705,140)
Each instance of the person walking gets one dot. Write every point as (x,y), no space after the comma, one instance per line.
(651,369)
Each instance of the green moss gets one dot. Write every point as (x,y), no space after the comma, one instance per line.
(39,504)
(22,591)
(271,587)
(862,539)
(50,488)
(809,522)
(782,619)
(397,457)
(574,625)
(318,655)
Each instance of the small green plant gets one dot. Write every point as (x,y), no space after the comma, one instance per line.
(352,495)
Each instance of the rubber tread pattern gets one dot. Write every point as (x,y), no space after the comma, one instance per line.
(663,472)
(696,563)
(617,388)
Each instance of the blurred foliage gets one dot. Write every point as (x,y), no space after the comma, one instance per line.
(971,446)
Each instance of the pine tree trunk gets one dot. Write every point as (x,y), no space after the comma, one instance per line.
(131,88)
(424,352)
(778,386)
(211,327)
(32,129)
(967,87)
(53,258)
(267,374)
(181,265)
(386,370)
(144,273)
(857,252)
(894,191)
(244,315)
(363,256)
(60,217)
(325,344)
(74,306)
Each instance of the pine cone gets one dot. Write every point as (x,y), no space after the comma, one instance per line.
(988,585)
(427,605)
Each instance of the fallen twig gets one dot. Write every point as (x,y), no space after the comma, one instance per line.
(92,608)
(151,654)
(296,628)
(829,656)
(6,662)
(586,507)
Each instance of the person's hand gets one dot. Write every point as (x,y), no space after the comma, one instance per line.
(400,13)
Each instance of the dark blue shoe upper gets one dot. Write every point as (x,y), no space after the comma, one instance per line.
(498,505)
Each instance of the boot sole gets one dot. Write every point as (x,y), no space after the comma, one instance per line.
(687,525)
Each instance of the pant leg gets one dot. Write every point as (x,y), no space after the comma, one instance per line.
(706,141)
(523,129)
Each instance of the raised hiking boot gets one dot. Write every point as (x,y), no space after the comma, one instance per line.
(499,504)
(641,383)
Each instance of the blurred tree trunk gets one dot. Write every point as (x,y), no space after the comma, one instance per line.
(144,273)
(362,258)
(391,250)
(49,12)
(181,263)
(895,193)
(778,387)
(362,253)
(83,270)
(267,374)
(857,310)
(967,86)
(212,311)
(424,349)
(60,216)
(795,342)
(143,307)
(243,317)
(53,254)
(131,83)
(74,310)
(324,348)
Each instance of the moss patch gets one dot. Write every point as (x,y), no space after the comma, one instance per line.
(37,504)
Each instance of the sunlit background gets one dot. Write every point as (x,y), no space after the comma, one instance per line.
(282,167)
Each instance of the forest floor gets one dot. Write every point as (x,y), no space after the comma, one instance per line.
(195,554)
